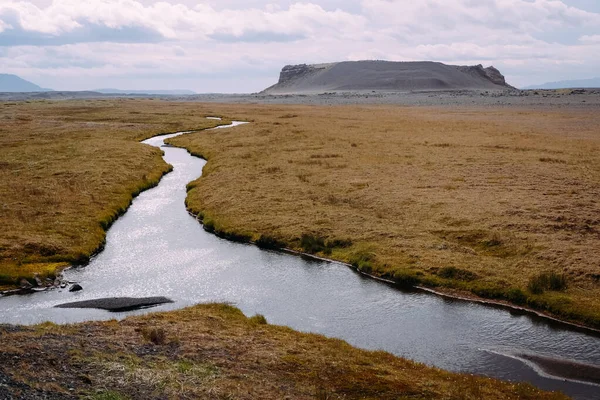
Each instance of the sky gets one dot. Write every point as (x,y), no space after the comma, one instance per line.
(232,46)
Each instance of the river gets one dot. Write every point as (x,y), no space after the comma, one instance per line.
(157,249)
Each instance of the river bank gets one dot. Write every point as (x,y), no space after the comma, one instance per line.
(465,201)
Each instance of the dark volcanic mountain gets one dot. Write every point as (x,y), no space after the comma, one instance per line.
(385,76)
(12,83)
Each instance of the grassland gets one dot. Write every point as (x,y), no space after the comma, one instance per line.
(215,352)
(484,202)
(68,169)
(498,203)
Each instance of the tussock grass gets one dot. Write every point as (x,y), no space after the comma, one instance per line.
(478,190)
(157,336)
(69,169)
(547,281)
(220,354)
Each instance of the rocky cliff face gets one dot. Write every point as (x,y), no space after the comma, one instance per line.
(293,72)
(495,76)
(490,73)
(290,72)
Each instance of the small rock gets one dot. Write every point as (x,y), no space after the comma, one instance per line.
(25,284)
(75,288)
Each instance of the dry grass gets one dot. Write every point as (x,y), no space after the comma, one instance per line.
(215,352)
(68,169)
(502,194)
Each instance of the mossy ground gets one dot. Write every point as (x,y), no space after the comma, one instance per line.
(214,352)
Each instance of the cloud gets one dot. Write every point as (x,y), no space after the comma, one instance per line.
(71,21)
(133,40)
(469,19)
(85,33)
(590,39)
(256,36)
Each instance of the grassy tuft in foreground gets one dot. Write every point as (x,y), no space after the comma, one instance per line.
(498,203)
(69,169)
(215,352)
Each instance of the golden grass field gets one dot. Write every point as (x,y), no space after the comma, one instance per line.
(482,201)
(497,202)
(215,352)
(68,169)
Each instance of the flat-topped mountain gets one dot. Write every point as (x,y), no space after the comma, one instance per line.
(385,76)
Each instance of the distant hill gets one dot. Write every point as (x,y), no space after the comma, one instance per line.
(578,84)
(12,83)
(385,76)
(163,92)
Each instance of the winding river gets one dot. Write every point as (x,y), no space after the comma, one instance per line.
(158,249)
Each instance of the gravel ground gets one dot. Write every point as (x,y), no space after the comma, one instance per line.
(530,98)
(578,98)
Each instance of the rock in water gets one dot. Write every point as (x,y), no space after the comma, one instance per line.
(118,304)
(75,288)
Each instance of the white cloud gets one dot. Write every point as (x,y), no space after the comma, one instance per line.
(177,21)
(529,40)
(590,39)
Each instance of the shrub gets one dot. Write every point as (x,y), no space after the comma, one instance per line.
(258,319)
(7,279)
(547,281)
(494,241)
(552,160)
(272,170)
(209,225)
(269,242)
(157,336)
(341,243)
(489,291)
(312,244)
(362,260)
(405,278)
(456,273)
(516,295)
